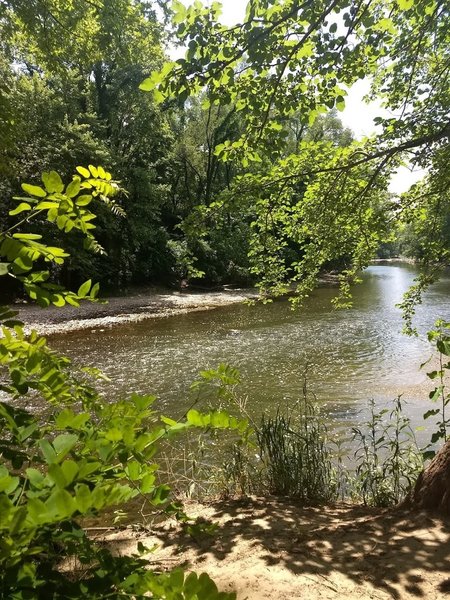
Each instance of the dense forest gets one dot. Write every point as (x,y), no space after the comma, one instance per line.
(198,197)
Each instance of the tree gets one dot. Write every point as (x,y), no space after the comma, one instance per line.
(300,58)
(71,76)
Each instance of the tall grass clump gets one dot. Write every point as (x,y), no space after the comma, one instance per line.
(294,454)
(295,457)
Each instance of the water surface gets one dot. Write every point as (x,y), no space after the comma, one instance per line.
(350,355)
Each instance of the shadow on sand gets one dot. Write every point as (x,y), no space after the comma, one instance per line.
(400,554)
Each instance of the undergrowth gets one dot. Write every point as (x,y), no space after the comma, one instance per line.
(295,454)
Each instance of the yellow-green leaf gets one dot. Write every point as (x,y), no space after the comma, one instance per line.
(34,190)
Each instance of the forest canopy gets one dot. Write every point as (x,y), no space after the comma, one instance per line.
(298,60)
(236,168)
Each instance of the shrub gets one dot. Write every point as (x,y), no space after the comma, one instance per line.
(82,454)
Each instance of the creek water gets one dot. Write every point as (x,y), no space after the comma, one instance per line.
(351,356)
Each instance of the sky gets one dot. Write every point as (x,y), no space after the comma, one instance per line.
(358,115)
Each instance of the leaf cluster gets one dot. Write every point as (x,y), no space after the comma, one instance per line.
(67,207)
(78,455)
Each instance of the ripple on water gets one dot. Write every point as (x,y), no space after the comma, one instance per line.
(350,356)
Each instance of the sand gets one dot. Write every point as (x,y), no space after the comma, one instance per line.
(268,548)
(144,304)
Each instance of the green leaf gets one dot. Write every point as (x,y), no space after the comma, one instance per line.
(179,11)
(340,103)
(84,172)
(20,208)
(34,190)
(94,291)
(23,262)
(52,182)
(83,498)
(73,189)
(60,504)
(4,268)
(83,200)
(63,444)
(37,511)
(70,470)
(435,394)
(133,470)
(65,419)
(147,85)
(444,346)
(56,474)
(72,301)
(84,288)
(27,236)
(35,477)
(160,494)
(434,374)
(431,413)
(114,434)
(195,418)
(147,483)
(58,300)
(48,451)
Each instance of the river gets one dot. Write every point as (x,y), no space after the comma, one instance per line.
(351,356)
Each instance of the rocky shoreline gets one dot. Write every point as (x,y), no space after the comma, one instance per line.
(144,304)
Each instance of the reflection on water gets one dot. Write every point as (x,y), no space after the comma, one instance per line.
(350,355)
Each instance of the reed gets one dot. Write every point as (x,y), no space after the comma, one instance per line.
(295,455)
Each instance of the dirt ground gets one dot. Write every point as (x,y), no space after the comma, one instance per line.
(274,549)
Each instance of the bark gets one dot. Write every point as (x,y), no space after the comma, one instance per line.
(432,489)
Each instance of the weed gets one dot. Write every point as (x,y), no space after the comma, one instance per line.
(387,458)
(295,456)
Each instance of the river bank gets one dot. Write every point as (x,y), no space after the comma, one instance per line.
(143,304)
(267,548)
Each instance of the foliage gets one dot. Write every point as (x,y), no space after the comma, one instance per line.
(74,465)
(68,207)
(440,337)
(295,454)
(288,455)
(184,260)
(81,104)
(82,454)
(291,57)
(387,458)
(191,464)
(294,59)
(295,457)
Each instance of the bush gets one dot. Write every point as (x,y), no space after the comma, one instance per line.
(82,454)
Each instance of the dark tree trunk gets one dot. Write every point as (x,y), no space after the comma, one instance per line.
(432,489)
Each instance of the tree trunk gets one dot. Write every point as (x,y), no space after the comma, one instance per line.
(432,489)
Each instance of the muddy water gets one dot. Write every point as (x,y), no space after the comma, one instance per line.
(350,355)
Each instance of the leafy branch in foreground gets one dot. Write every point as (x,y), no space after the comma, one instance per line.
(79,455)
(67,207)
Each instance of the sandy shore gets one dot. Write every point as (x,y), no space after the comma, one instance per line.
(144,304)
(273,548)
